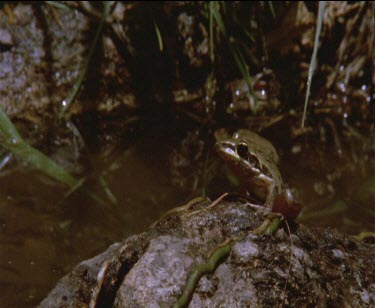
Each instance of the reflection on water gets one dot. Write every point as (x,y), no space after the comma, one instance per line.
(43,236)
(337,185)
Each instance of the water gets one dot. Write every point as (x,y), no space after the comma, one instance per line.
(44,233)
(43,236)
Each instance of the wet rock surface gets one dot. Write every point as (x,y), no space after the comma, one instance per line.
(36,62)
(43,50)
(310,266)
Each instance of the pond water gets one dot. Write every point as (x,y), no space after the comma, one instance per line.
(45,233)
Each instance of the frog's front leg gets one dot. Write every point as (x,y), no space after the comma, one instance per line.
(270,191)
(179,209)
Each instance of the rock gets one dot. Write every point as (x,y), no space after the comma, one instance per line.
(312,266)
(41,56)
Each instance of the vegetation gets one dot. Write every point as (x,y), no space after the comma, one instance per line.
(158,84)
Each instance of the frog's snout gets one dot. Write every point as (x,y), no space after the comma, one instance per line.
(225,147)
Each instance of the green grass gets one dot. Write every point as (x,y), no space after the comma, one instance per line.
(313,58)
(215,8)
(66,103)
(159,37)
(12,141)
(215,259)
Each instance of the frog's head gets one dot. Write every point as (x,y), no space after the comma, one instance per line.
(239,155)
(253,159)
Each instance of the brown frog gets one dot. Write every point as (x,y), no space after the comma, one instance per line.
(254,160)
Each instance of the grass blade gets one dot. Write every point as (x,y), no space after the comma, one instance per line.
(57,4)
(272,9)
(66,103)
(313,57)
(236,53)
(13,142)
(212,54)
(159,37)
(242,66)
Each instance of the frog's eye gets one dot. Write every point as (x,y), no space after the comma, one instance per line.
(242,150)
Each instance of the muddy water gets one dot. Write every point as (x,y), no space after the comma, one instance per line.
(44,233)
(336,183)
(43,236)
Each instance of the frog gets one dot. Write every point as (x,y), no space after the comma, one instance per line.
(254,160)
